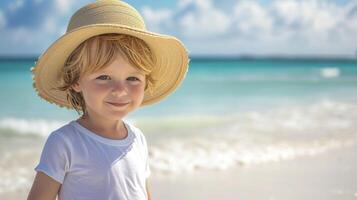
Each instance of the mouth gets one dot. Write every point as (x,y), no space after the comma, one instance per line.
(118,104)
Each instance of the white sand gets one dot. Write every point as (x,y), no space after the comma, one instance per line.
(332,175)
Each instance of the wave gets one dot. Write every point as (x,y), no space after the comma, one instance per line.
(187,143)
(187,156)
(257,137)
(330,72)
(16,126)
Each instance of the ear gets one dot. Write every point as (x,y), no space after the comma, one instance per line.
(76,87)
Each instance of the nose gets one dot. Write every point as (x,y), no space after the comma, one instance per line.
(119,89)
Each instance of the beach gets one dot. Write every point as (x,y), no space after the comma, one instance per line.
(265,110)
(236,129)
(330,176)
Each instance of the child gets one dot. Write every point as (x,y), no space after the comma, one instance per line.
(105,66)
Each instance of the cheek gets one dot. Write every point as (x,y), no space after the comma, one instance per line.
(138,92)
(94,93)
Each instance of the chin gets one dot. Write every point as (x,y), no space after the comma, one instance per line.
(116,115)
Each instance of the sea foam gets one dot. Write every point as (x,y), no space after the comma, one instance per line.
(179,144)
(40,127)
(330,72)
(257,137)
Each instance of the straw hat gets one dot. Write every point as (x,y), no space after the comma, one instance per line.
(110,16)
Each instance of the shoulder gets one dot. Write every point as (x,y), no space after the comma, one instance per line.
(136,131)
(59,143)
(63,135)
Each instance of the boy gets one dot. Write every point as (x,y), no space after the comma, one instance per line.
(105,66)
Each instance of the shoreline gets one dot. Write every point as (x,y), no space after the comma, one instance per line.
(329,176)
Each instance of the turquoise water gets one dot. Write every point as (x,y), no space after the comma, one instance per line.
(212,87)
(226,113)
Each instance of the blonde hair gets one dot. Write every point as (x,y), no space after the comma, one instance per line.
(97,53)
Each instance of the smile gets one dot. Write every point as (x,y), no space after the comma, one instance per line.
(118,104)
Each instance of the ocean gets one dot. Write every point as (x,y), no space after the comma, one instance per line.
(228,113)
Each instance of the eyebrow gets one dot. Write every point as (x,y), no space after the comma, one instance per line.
(131,72)
(137,73)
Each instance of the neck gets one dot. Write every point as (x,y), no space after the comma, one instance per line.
(105,128)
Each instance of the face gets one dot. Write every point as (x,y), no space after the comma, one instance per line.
(112,92)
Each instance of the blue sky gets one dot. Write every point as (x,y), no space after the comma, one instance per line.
(207,27)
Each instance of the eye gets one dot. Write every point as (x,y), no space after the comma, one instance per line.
(103,77)
(133,79)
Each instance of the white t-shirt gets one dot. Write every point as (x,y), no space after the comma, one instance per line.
(93,167)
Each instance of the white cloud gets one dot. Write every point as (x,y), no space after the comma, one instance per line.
(312,16)
(49,26)
(63,6)
(203,4)
(285,27)
(205,21)
(251,18)
(312,26)
(15,5)
(2,20)
(155,19)
(191,18)
(27,39)
(295,27)
(184,3)
(22,35)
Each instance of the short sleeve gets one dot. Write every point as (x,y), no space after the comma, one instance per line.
(54,158)
(147,167)
(144,149)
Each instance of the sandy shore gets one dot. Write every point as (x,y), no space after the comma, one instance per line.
(332,175)
(328,176)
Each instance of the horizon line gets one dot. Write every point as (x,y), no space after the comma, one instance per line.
(224,57)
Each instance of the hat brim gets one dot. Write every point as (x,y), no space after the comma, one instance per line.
(170,69)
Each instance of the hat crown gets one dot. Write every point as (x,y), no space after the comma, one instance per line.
(107,12)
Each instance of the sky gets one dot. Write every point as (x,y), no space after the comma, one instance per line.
(206,27)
